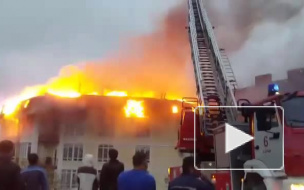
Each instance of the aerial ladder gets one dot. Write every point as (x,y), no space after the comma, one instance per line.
(214,76)
(215,84)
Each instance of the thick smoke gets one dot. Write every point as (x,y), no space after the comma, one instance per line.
(158,62)
(260,36)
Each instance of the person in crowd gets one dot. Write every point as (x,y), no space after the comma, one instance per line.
(50,170)
(87,175)
(138,178)
(10,177)
(110,172)
(189,179)
(201,176)
(34,176)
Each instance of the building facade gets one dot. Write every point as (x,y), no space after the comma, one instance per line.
(66,130)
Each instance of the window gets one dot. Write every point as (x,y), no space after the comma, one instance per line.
(145,149)
(293,111)
(72,152)
(106,131)
(74,122)
(74,129)
(106,126)
(266,118)
(142,130)
(68,179)
(25,149)
(103,152)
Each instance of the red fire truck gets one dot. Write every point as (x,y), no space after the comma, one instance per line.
(271,132)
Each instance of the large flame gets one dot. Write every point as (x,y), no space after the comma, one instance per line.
(134,109)
(150,66)
(117,93)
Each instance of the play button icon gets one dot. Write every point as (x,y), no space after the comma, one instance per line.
(235,138)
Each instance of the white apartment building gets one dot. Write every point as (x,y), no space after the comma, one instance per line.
(67,129)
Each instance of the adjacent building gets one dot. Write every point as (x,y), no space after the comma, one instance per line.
(293,82)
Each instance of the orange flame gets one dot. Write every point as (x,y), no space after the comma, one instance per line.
(65,94)
(152,66)
(117,93)
(134,109)
(174,109)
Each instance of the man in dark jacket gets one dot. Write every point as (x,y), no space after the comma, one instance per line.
(10,178)
(34,176)
(189,178)
(110,172)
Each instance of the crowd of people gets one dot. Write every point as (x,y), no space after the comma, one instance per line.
(112,176)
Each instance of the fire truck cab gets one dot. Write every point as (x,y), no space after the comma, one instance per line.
(278,134)
(273,160)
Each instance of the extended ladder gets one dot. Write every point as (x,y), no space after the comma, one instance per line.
(214,77)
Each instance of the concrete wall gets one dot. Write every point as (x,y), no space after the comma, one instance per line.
(294,82)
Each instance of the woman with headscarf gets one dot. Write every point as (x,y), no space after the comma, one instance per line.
(87,175)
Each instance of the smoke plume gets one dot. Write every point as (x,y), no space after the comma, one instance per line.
(260,36)
(157,64)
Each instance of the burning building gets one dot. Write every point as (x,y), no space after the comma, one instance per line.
(66,129)
(114,102)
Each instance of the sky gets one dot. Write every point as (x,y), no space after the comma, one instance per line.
(38,37)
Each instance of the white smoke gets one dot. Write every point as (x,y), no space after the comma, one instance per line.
(260,36)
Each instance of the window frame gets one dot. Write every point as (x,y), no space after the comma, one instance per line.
(74,129)
(69,149)
(71,182)
(286,105)
(143,131)
(107,128)
(102,148)
(274,119)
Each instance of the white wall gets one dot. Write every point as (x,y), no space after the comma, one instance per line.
(162,150)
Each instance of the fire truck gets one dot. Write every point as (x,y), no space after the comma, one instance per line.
(269,129)
(275,158)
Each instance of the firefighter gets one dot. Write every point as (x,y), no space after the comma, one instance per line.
(189,178)
(202,177)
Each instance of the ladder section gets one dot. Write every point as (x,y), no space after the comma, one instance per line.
(214,86)
(210,95)
(205,67)
(228,69)
(225,88)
